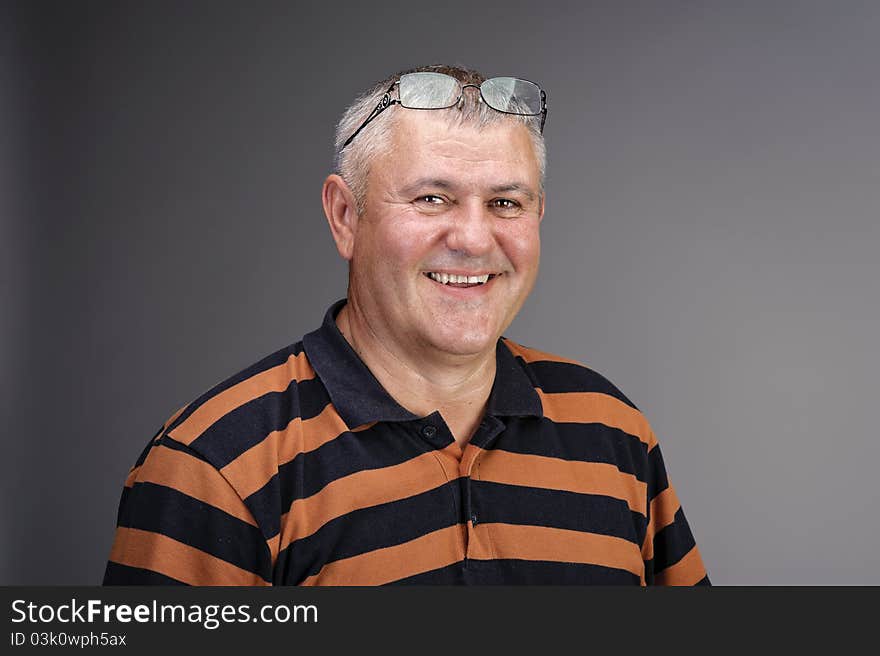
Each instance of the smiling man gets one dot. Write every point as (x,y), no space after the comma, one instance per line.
(406,440)
(441,259)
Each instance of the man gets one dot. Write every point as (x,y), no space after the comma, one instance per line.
(405,440)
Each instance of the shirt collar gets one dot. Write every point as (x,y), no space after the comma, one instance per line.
(360,399)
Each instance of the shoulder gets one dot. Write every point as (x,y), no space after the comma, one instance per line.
(240,410)
(572,392)
(555,374)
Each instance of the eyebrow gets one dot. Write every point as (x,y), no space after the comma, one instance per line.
(514,186)
(425,182)
(440,183)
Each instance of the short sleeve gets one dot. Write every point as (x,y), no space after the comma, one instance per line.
(181,522)
(669,551)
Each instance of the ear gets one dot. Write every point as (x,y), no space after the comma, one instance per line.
(541,210)
(341,211)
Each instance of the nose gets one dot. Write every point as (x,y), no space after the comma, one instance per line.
(471,229)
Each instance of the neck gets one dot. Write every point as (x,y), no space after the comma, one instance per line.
(456,385)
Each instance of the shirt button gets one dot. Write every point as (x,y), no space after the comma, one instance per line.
(474,520)
(429,431)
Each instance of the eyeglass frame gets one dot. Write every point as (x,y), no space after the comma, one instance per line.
(387,101)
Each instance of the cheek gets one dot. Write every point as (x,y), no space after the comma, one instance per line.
(523,247)
(404,243)
(384,244)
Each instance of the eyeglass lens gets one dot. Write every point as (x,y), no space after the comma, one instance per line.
(427,90)
(510,94)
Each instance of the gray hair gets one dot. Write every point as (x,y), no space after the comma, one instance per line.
(353,163)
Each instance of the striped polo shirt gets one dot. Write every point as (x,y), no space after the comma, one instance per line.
(303,470)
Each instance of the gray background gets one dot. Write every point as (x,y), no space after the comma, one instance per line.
(709,244)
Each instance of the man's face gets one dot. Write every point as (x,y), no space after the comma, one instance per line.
(448,200)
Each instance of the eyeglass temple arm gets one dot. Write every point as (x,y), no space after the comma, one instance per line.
(543,109)
(384,104)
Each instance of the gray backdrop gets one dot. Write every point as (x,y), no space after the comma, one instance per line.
(709,244)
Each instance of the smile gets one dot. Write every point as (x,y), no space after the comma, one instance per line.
(453,280)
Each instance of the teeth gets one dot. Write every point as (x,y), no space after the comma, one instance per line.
(446,278)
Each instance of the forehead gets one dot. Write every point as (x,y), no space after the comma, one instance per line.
(427,143)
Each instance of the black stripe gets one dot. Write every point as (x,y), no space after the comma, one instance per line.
(118,574)
(248,425)
(147,448)
(266,508)
(521,572)
(649,575)
(270,361)
(308,473)
(555,377)
(365,530)
(579,442)
(449,575)
(672,543)
(658,481)
(382,445)
(542,572)
(169,442)
(313,398)
(164,510)
(534,506)
(124,507)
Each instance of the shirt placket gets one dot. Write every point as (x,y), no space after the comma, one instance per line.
(478,540)
(434,431)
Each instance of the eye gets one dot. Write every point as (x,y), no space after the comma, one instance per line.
(430,199)
(506,205)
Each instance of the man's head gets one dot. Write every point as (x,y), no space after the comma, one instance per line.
(353,161)
(421,195)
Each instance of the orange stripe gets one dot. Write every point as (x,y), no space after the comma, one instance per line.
(663,509)
(491,541)
(363,427)
(276,379)
(159,553)
(317,431)
(423,554)
(361,489)
(132,473)
(173,418)
(556,474)
(193,477)
(687,571)
(450,459)
(595,407)
(132,476)
(251,470)
(274,543)
(533,355)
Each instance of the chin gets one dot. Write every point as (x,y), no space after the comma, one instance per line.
(464,342)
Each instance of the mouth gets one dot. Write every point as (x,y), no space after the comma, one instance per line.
(460,281)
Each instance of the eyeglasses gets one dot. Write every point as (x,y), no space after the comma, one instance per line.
(428,90)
